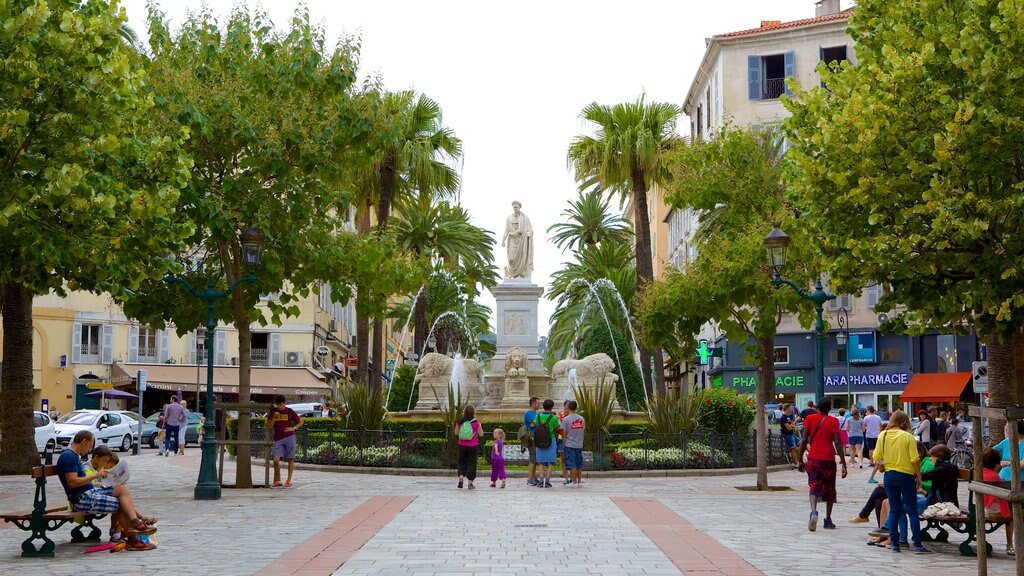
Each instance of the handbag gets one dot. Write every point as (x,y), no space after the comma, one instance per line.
(796,454)
(880,465)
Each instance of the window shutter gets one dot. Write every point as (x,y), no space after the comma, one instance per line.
(220,346)
(107,349)
(821,58)
(163,338)
(790,62)
(76,343)
(753,77)
(192,343)
(275,349)
(133,344)
(871,294)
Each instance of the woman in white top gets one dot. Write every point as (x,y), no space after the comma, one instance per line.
(924,429)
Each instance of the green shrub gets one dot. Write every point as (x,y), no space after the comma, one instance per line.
(402,386)
(365,407)
(724,410)
(598,340)
(419,461)
(673,413)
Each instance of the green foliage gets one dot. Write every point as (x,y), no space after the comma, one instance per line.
(402,387)
(724,410)
(365,407)
(589,223)
(448,291)
(599,340)
(670,414)
(908,168)
(596,405)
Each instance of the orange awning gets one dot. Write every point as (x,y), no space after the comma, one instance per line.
(945,387)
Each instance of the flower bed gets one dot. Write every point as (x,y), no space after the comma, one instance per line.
(698,455)
(350,455)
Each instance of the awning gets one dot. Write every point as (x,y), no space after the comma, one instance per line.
(263,380)
(944,387)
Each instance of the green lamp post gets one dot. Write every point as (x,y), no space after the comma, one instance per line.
(842,339)
(208,487)
(777,243)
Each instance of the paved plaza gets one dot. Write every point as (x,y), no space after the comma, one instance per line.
(348,524)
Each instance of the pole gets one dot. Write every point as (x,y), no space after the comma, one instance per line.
(819,341)
(208,487)
(141,380)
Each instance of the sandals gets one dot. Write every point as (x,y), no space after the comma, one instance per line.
(139,528)
(1010,551)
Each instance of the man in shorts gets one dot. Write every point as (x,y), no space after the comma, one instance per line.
(872,428)
(85,497)
(573,428)
(283,422)
(529,424)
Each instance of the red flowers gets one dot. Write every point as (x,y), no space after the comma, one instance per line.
(729,404)
(707,400)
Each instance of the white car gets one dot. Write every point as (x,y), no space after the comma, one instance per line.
(46,437)
(107,426)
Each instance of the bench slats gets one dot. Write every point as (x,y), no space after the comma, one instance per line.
(37,472)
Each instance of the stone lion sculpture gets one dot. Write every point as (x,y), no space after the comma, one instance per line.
(515,363)
(591,369)
(434,365)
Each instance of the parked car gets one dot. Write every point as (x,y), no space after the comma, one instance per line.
(110,427)
(46,437)
(150,431)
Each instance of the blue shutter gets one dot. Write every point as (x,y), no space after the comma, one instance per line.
(790,60)
(821,58)
(753,77)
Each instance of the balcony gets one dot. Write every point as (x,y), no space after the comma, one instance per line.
(148,355)
(259,356)
(772,88)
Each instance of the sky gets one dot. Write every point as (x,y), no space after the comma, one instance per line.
(512,78)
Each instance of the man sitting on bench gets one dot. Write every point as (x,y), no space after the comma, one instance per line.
(84,497)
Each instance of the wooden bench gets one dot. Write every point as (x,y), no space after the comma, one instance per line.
(41,520)
(964,523)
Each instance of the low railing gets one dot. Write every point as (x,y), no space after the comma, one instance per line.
(772,88)
(645,450)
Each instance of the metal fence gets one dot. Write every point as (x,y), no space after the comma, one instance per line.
(645,450)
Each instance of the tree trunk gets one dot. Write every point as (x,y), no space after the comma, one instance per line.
(387,185)
(644,276)
(1000,382)
(765,387)
(378,354)
(243,468)
(421,323)
(18,448)
(363,321)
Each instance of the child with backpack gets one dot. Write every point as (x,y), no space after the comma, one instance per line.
(498,458)
(544,439)
(469,431)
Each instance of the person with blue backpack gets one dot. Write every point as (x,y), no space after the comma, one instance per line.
(469,431)
(544,439)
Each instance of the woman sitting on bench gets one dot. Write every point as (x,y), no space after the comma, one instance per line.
(996,506)
(84,497)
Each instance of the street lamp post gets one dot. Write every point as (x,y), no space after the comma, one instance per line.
(207,486)
(777,243)
(842,338)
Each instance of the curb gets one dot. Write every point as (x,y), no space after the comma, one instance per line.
(691,473)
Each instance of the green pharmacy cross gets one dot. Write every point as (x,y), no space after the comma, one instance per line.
(704,352)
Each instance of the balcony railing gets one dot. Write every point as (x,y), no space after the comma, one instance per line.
(259,356)
(773,88)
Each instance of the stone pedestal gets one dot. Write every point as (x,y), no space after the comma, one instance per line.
(517,302)
(433,392)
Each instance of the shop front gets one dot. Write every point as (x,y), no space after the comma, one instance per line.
(867,386)
(791,386)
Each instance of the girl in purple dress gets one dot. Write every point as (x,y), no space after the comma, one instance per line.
(498,458)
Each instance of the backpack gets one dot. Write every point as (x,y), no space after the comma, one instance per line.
(542,436)
(466,430)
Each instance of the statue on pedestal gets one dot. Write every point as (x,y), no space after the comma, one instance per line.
(518,237)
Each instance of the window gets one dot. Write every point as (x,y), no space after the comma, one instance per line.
(718,96)
(259,349)
(892,355)
(782,355)
(710,110)
(871,295)
(833,55)
(700,123)
(147,344)
(946,344)
(90,341)
(841,301)
(766,75)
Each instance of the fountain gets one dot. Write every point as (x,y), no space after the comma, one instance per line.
(435,372)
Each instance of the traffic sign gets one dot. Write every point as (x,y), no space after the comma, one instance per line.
(412,363)
(99,385)
(411,356)
(979,375)
(390,364)
(142,380)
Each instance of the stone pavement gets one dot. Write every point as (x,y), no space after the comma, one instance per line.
(336,523)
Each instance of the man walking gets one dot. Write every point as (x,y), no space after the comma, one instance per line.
(787,423)
(283,422)
(872,427)
(174,421)
(573,428)
(529,425)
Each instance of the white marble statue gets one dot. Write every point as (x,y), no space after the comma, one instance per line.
(434,365)
(589,370)
(518,238)
(515,363)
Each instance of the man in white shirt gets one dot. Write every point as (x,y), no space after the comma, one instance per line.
(872,427)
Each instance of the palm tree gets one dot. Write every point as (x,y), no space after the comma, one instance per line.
(625,155)
(411,153)
(440,231)
(589,222)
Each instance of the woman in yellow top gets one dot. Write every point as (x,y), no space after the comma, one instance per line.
(897,450)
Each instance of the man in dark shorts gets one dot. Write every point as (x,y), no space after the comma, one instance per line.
(85,497)
(820,438)
(283,422)
(529,424)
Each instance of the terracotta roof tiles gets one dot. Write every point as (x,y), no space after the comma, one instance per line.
(773,25)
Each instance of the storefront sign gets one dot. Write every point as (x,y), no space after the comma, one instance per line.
(895,380)
(780,381)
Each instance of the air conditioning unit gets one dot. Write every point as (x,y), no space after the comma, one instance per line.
(294,359)
(883,317)
(332,326)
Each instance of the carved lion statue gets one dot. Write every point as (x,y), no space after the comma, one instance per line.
(515,363)
(434,365)
(590,369)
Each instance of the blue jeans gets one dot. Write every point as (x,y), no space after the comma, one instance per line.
(902,492)
(171,438)
(791,440)
(922,504)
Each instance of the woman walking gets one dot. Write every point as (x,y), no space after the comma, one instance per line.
(897,451)
(469,431)
(855,431)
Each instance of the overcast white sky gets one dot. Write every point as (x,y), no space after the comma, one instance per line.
(513,77)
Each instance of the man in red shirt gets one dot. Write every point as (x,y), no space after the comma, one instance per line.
(283,422)
(820,439)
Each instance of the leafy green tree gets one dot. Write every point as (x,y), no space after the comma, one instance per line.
(403,392)
(87,187)
(626,155)
(630,388)
(735,183)
(590,222)
(273,123)
(908,169)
